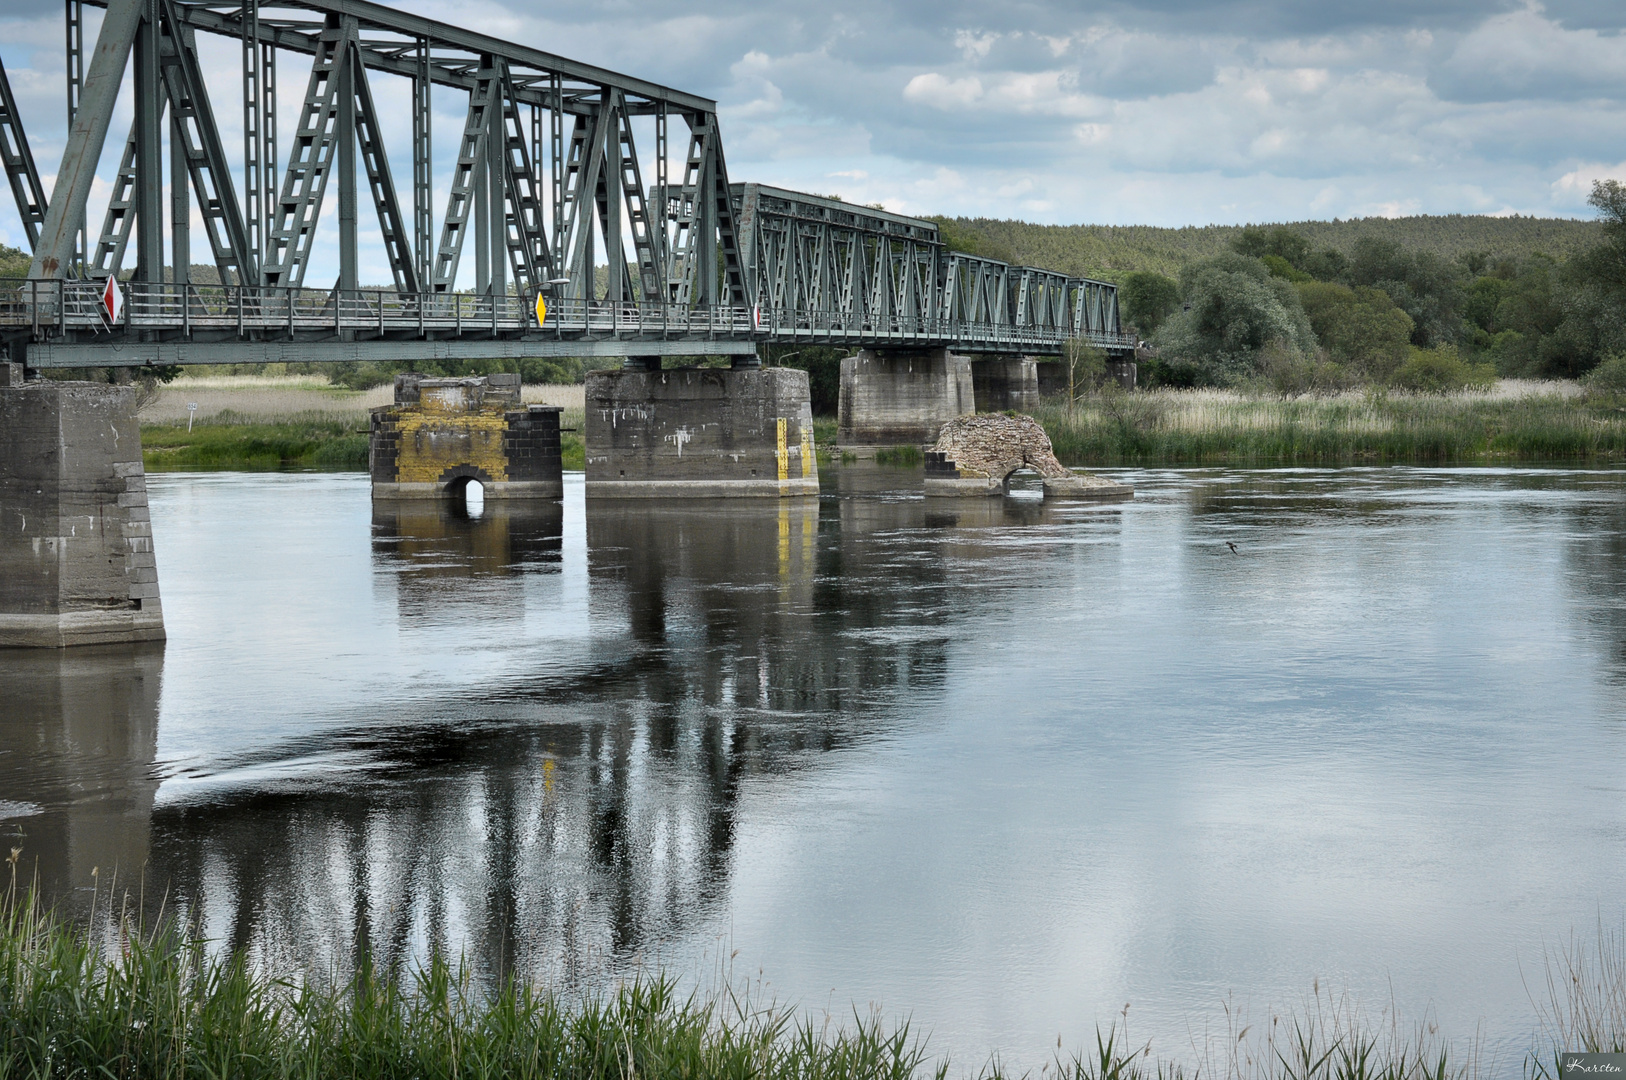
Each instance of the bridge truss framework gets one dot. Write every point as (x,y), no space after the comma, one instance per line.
(549,176)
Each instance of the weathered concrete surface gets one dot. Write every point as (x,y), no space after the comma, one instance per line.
(976,455)
(76,555)
(1005,383)
(442,433)
(904,398)
(700,433)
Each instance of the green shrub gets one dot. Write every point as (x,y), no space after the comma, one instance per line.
(1608,378)
(1441,370)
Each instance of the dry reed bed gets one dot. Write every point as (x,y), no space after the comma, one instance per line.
(1521,422)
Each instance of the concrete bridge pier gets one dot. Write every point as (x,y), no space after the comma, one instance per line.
(1006,383)
(897,398)
(699,433)
(76,556)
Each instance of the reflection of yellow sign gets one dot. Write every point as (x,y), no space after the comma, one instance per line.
(541,308)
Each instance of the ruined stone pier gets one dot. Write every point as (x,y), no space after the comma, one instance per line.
(443,433)
(699,433)
(76,555)
(977,455)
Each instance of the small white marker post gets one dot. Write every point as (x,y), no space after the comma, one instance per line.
(191,412)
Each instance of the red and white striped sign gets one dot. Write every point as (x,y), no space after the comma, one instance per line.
(113,300)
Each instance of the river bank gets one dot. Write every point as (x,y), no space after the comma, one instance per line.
(264,423)
(162,1004)
(258,423)
(1513,422)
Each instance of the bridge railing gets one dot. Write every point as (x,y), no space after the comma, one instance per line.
(50,309)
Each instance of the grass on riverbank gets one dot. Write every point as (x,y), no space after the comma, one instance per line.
(227,441)
(1212,427)
(321,441)
(161,1006)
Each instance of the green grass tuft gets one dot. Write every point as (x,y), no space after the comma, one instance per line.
(905,457)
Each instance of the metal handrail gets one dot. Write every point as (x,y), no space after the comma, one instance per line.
(49,308)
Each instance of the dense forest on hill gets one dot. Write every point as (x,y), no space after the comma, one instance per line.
(1111,251)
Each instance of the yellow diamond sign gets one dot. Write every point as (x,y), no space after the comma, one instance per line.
(541,308)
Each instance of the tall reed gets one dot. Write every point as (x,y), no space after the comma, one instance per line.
(1219,427)
(157,1004)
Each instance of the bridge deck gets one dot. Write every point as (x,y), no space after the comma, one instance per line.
(68,317)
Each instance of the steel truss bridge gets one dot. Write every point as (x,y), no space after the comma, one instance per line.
(549,177)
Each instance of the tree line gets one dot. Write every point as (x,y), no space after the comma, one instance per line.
(1276,306)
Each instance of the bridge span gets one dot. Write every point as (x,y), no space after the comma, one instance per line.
(606,195)
(605,224)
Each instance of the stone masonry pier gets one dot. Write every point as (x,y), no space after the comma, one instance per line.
(976,455)
(699,433)
(76,555)
(442,433)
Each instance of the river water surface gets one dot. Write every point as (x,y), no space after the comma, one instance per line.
(1002,766)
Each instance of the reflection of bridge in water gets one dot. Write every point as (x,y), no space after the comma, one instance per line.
(565,819)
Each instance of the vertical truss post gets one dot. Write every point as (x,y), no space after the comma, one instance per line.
(345,133)
(19,161)
(705,218)
(268,153)
(149,188)
(556,158)
(423,214)
(75,13)
(253,195)
(180,203)
(608,196)
(497,182)
(482,221)
(663,263)
(258,174)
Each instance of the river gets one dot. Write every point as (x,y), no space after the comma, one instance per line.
(1004,767)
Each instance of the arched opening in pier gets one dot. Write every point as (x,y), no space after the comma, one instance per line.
(468,497)
(1024,483)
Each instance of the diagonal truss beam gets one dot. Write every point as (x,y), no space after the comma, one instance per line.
(204,152)
(115,235)
(583,167)
(310,161)
(19,159)
(377,164)
(460,201)
(529,252)
(86,136)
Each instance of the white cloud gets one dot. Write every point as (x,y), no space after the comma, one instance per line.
(943,93)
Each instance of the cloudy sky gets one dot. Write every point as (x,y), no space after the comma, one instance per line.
(1167,112)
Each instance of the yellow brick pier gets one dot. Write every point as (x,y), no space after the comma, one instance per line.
(442,433)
